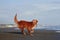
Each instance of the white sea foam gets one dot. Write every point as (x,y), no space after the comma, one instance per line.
(58,31)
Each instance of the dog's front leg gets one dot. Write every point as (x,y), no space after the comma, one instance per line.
(32,31)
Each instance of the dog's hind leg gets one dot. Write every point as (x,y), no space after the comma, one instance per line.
(22,30)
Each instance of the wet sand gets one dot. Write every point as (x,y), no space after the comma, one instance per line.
(6,34)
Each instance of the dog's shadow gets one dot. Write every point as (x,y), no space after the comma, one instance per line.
(15,32)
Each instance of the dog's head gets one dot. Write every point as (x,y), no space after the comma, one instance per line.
(35,21)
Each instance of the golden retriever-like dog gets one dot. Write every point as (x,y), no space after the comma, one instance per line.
(29,25)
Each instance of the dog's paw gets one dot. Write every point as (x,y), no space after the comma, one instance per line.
(24,34)
(31,35)
(32,31)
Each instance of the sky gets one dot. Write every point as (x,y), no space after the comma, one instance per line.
(47,12)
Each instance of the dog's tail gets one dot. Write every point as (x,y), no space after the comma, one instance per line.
(15,19)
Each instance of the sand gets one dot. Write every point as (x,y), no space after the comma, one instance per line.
(6,34)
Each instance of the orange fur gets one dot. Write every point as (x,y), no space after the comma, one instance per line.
(25,24)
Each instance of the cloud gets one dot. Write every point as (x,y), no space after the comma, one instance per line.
(47,7)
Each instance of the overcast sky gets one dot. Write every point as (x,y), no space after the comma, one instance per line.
(46,11)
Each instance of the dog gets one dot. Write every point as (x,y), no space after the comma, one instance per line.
(23,24)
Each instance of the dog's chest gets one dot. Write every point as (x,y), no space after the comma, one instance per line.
(33,27)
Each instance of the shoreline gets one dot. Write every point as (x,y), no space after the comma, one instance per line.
(15,29)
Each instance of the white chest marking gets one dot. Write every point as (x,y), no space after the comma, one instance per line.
(34,27)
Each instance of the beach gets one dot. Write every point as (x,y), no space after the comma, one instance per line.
(11,34)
